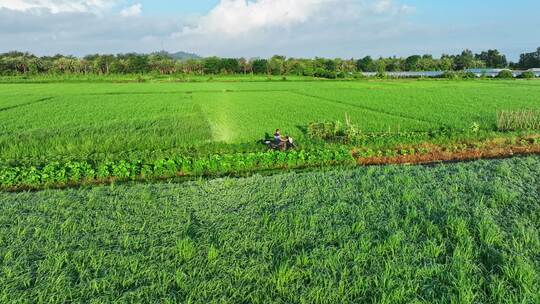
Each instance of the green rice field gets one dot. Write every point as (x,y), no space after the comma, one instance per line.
(459,233)
(137,218)
(46,120)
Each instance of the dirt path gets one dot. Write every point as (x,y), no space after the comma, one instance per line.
(438,154)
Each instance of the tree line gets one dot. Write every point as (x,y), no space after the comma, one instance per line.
(20,63)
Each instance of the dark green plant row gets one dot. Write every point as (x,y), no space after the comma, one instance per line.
(77,172)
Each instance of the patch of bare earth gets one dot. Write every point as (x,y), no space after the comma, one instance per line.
(490,149)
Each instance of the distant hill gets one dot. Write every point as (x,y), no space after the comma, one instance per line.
(178,55)
(184,55)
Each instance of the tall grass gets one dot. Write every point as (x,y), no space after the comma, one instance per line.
(461,233)
(518,120)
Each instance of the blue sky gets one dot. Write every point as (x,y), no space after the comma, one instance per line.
(432,11)
(306,28)
(169,7)
(425,8)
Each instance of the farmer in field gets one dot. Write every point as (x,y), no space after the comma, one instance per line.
(277,137)
(281,142)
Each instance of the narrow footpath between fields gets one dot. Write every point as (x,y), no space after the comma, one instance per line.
(493,149)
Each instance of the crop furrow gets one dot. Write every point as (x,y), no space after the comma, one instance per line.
(26,104)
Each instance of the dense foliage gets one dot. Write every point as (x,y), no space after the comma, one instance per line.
(18,63)
(73,172)
(528,75)
(505,74)
(461,233)
(529,60)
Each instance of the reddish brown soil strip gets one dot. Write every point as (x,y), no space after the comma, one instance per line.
(437,154)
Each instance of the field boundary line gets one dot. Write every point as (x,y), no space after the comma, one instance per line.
(442,157)
(367,108)
(26,104)
(187,92)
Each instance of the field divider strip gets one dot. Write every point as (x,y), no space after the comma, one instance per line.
(181,92)
(430,159)
(26,104)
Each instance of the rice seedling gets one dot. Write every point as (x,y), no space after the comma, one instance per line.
(58,121)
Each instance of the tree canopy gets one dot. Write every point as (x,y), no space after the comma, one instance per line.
(21,63)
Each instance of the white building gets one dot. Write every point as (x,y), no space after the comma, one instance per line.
(536,71)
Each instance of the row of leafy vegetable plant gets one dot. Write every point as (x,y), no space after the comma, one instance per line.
(77,172)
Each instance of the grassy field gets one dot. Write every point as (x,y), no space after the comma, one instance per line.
(81,119)
(461,233)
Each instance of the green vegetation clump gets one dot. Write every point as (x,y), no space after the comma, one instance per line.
(450,75)
(527,75)
(80,172)
(460,233)
(518,120)
(455,75)
(505,74)
(322,73)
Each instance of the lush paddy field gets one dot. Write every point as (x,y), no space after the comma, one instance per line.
(460,233)
(80,119)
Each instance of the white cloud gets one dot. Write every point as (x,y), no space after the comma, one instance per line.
(240,16)
(294,27)
(232,28)
(383,6)
(132,11)
(58,6)
(237,17)
(301,28)
(407,9)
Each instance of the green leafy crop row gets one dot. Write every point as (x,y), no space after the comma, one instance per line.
(73,172)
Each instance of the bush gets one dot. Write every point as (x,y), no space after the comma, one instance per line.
(322,73)
(459,75)
(505,74)
(527,75)
(309,72)
(381,75)
(450,75)
(358,75)
(468,75)
(325,130)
